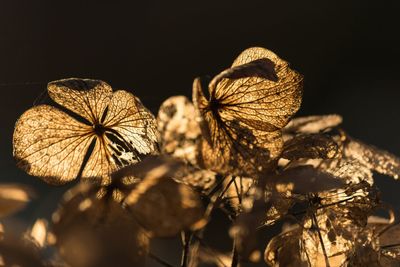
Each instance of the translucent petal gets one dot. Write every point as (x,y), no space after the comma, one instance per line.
(306,179)
(101,163)
(374,158)
(310,146)
(312,124)
(248,106)
(135,123)
(85,97)
(50,144)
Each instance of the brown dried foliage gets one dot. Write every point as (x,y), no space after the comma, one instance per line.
(237,150)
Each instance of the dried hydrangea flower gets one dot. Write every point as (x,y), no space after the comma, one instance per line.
(93,231)
(180,137)
(51,144)
(352,158)
(287,185)
(160,204)
(199,179)
(248,106)
(179,130)
(330,226)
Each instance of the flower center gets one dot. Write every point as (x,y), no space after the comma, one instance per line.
(99,129)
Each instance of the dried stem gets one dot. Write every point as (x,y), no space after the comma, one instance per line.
(320,239)
(186,238)
(160,261)
(235,255)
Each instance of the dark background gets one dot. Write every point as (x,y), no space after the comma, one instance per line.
(347,50)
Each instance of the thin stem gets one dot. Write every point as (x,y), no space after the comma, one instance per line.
(209,249)
(186,237)
(238,191)
(390,246)
(320,239)
(215,200)
(160,261)
(235,255)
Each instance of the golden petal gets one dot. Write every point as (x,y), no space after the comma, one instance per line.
(373,158)
(310,146)
(133,122)
(85,97)
(50,144)
(248,106)
(313,124)
(100,163)
(306,179)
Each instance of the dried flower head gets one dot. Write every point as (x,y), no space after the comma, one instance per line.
(51,144)
(248,105)
(179,130)
(160,204)
(93,231)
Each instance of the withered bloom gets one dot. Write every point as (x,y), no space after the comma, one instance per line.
(180,137)
(329,229)
(51,144)
(318,137)
(95,231)
(247,107)
(161,205)
(179,130)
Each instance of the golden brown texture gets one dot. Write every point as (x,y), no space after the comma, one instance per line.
(310,146)
(179,130)
(161,205)
(312,124)
(93,231)
(248,105)
(373,158)
(52,145)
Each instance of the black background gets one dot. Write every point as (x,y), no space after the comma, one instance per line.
(347,50)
